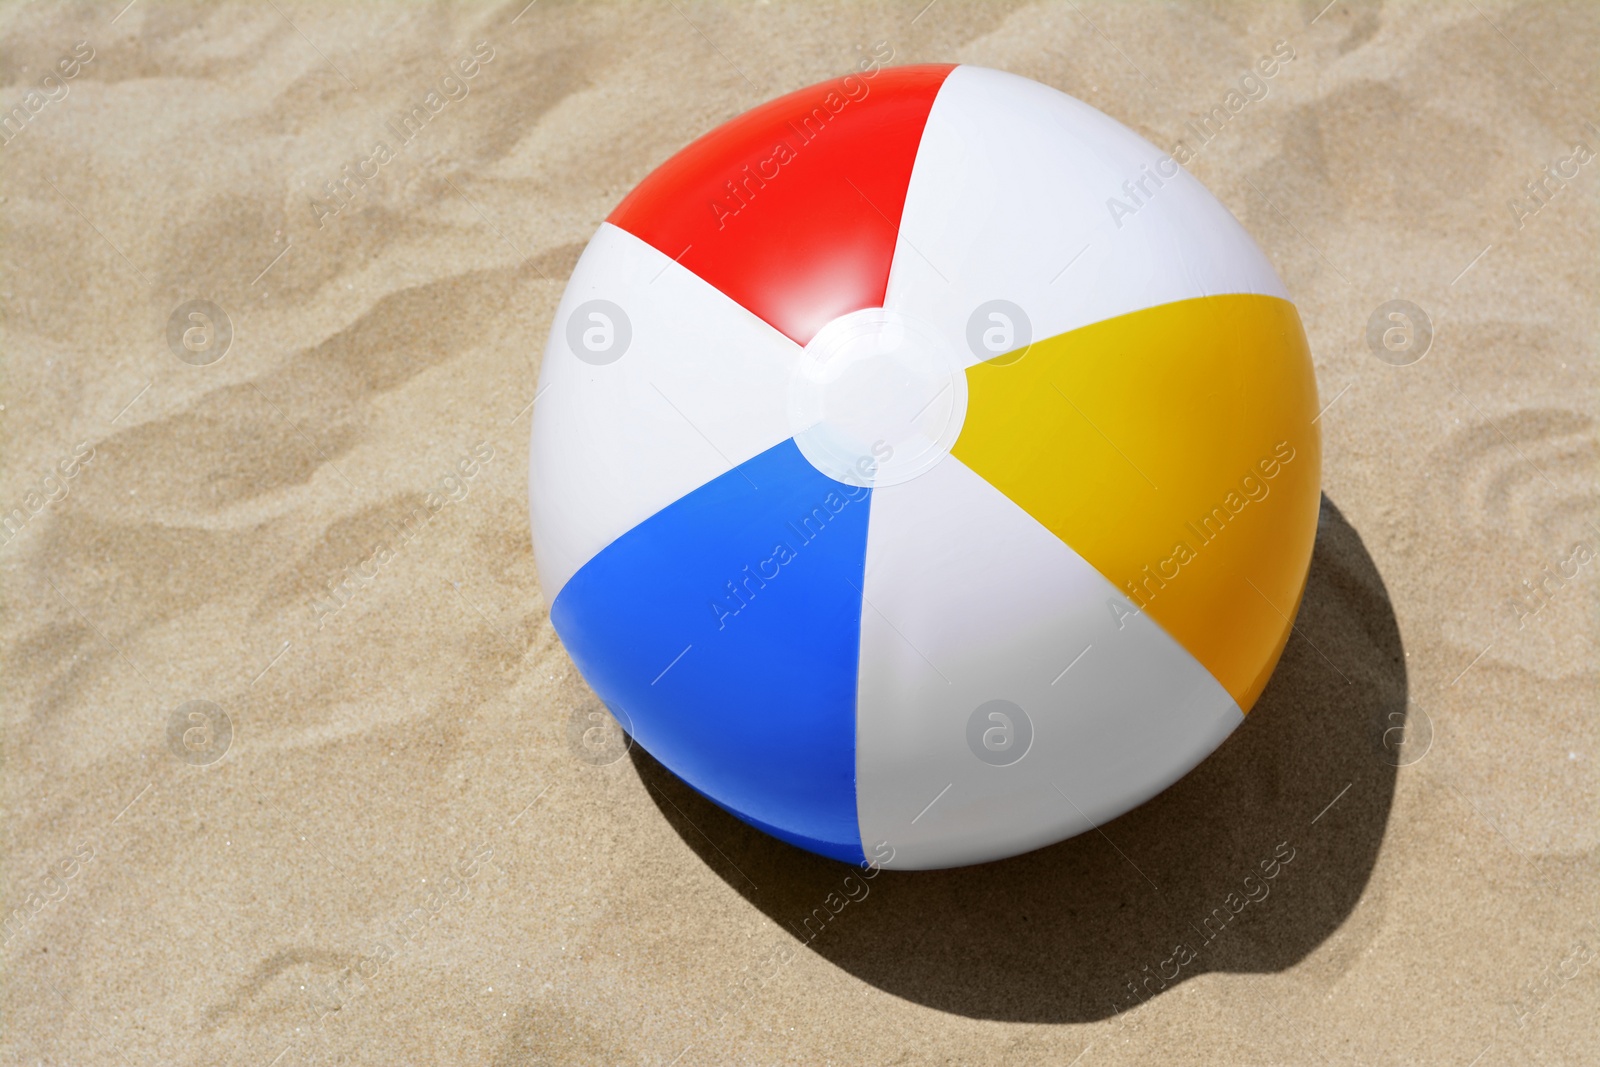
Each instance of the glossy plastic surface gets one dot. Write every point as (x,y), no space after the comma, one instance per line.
(793,208)
(727,628)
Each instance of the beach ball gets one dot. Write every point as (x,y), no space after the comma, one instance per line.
(924,467)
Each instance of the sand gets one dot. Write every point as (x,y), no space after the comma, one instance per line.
(384,845)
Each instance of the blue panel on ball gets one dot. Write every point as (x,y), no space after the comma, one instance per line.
(727,627)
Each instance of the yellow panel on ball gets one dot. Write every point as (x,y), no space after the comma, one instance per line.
(1174,449)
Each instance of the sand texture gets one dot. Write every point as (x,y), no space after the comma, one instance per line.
(291,771)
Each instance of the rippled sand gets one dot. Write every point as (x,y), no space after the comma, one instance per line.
(322,538)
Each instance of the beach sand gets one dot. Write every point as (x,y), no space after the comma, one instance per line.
(385,845)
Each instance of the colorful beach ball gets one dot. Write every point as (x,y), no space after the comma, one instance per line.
(924,467)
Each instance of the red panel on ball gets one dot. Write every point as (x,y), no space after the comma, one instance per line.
(793,209)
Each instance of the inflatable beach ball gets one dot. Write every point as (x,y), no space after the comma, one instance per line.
(924,467)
